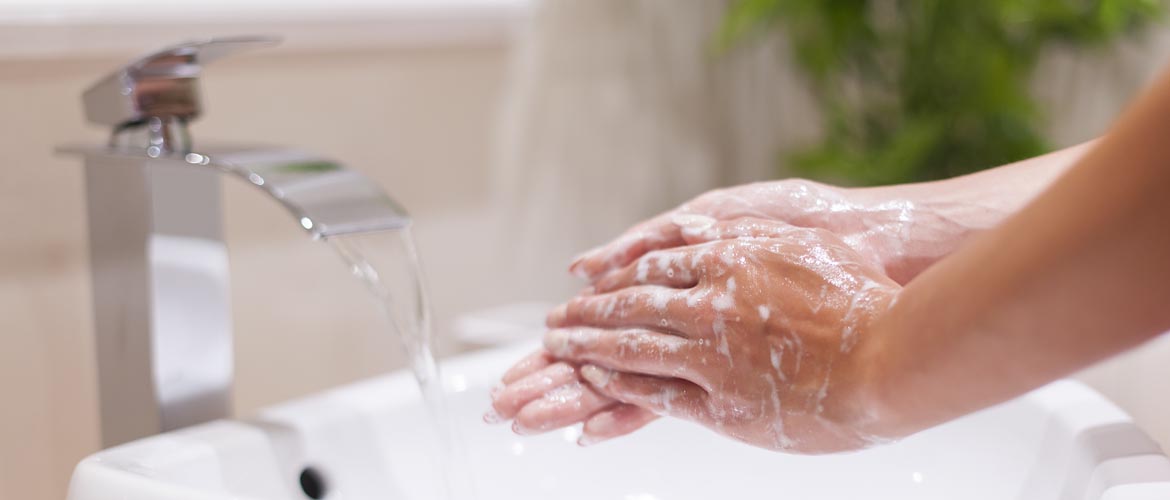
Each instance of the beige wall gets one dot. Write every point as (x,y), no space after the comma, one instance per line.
(420,121)
(416,120)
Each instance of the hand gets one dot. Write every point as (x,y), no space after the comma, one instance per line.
(900,229)
(542,394)
(903,229)
(763,339)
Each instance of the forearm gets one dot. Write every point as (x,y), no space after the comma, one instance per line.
(905,228)
(1078,275)
(949,212)
(985,197)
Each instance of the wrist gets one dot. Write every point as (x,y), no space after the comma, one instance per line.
(910,227)
(881,414)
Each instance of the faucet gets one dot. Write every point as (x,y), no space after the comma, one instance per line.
(161,308)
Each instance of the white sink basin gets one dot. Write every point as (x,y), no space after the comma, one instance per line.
(366,441)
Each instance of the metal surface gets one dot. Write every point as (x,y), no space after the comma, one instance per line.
(162,84)
(323,196)
(160,267)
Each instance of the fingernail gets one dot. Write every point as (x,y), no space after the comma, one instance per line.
(597,376)
(588,440)
(577,268)
(557,342)
(496,390)
(492,417)
(693,223)
(518,429)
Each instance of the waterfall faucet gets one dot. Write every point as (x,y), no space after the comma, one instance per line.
(159,263)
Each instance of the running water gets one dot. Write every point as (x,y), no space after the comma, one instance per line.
(387,262)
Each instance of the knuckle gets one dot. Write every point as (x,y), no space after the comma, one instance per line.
(573,308)
(582,308)
(706,312)
(801,184)
(529,419)
(628,345)
(653,258)
(707,259)
(583,341)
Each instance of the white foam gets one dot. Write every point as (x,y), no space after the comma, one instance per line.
(723,302)
(643,270)
(660,298)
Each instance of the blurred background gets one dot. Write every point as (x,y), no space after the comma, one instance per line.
(518,133)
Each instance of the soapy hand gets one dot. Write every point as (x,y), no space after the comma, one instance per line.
(541,394)
(900,230)
(903,235)
(757,331)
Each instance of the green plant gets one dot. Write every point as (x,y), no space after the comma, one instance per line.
(915,90)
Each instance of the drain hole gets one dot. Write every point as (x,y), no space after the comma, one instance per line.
(312,483)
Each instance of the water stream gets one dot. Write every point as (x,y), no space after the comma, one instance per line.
(388,264)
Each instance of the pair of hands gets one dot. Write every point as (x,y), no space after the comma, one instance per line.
(745,310)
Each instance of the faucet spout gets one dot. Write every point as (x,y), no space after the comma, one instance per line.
(160,274)
(323,196)
(162,319)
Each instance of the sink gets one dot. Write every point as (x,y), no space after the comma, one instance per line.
(363,441)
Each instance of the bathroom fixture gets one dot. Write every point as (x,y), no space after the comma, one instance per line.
(1060,442)
(160,268)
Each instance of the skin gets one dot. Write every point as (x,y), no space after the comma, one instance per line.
(905,228)
(1077,275)
(901,229)
(735,336)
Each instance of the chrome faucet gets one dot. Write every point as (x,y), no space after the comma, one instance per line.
(160,268)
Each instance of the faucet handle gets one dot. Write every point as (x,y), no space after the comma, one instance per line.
(164,84)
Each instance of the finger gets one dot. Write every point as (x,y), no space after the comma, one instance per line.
(643,306)
(653,234)
(698,229)
(560,407)
(530,364)
(663,396)
(514,396)
(669,268)
(630,350)
(617,420)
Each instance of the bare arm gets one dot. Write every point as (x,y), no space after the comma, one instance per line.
(998,192)
(904,228)
(1080,274)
